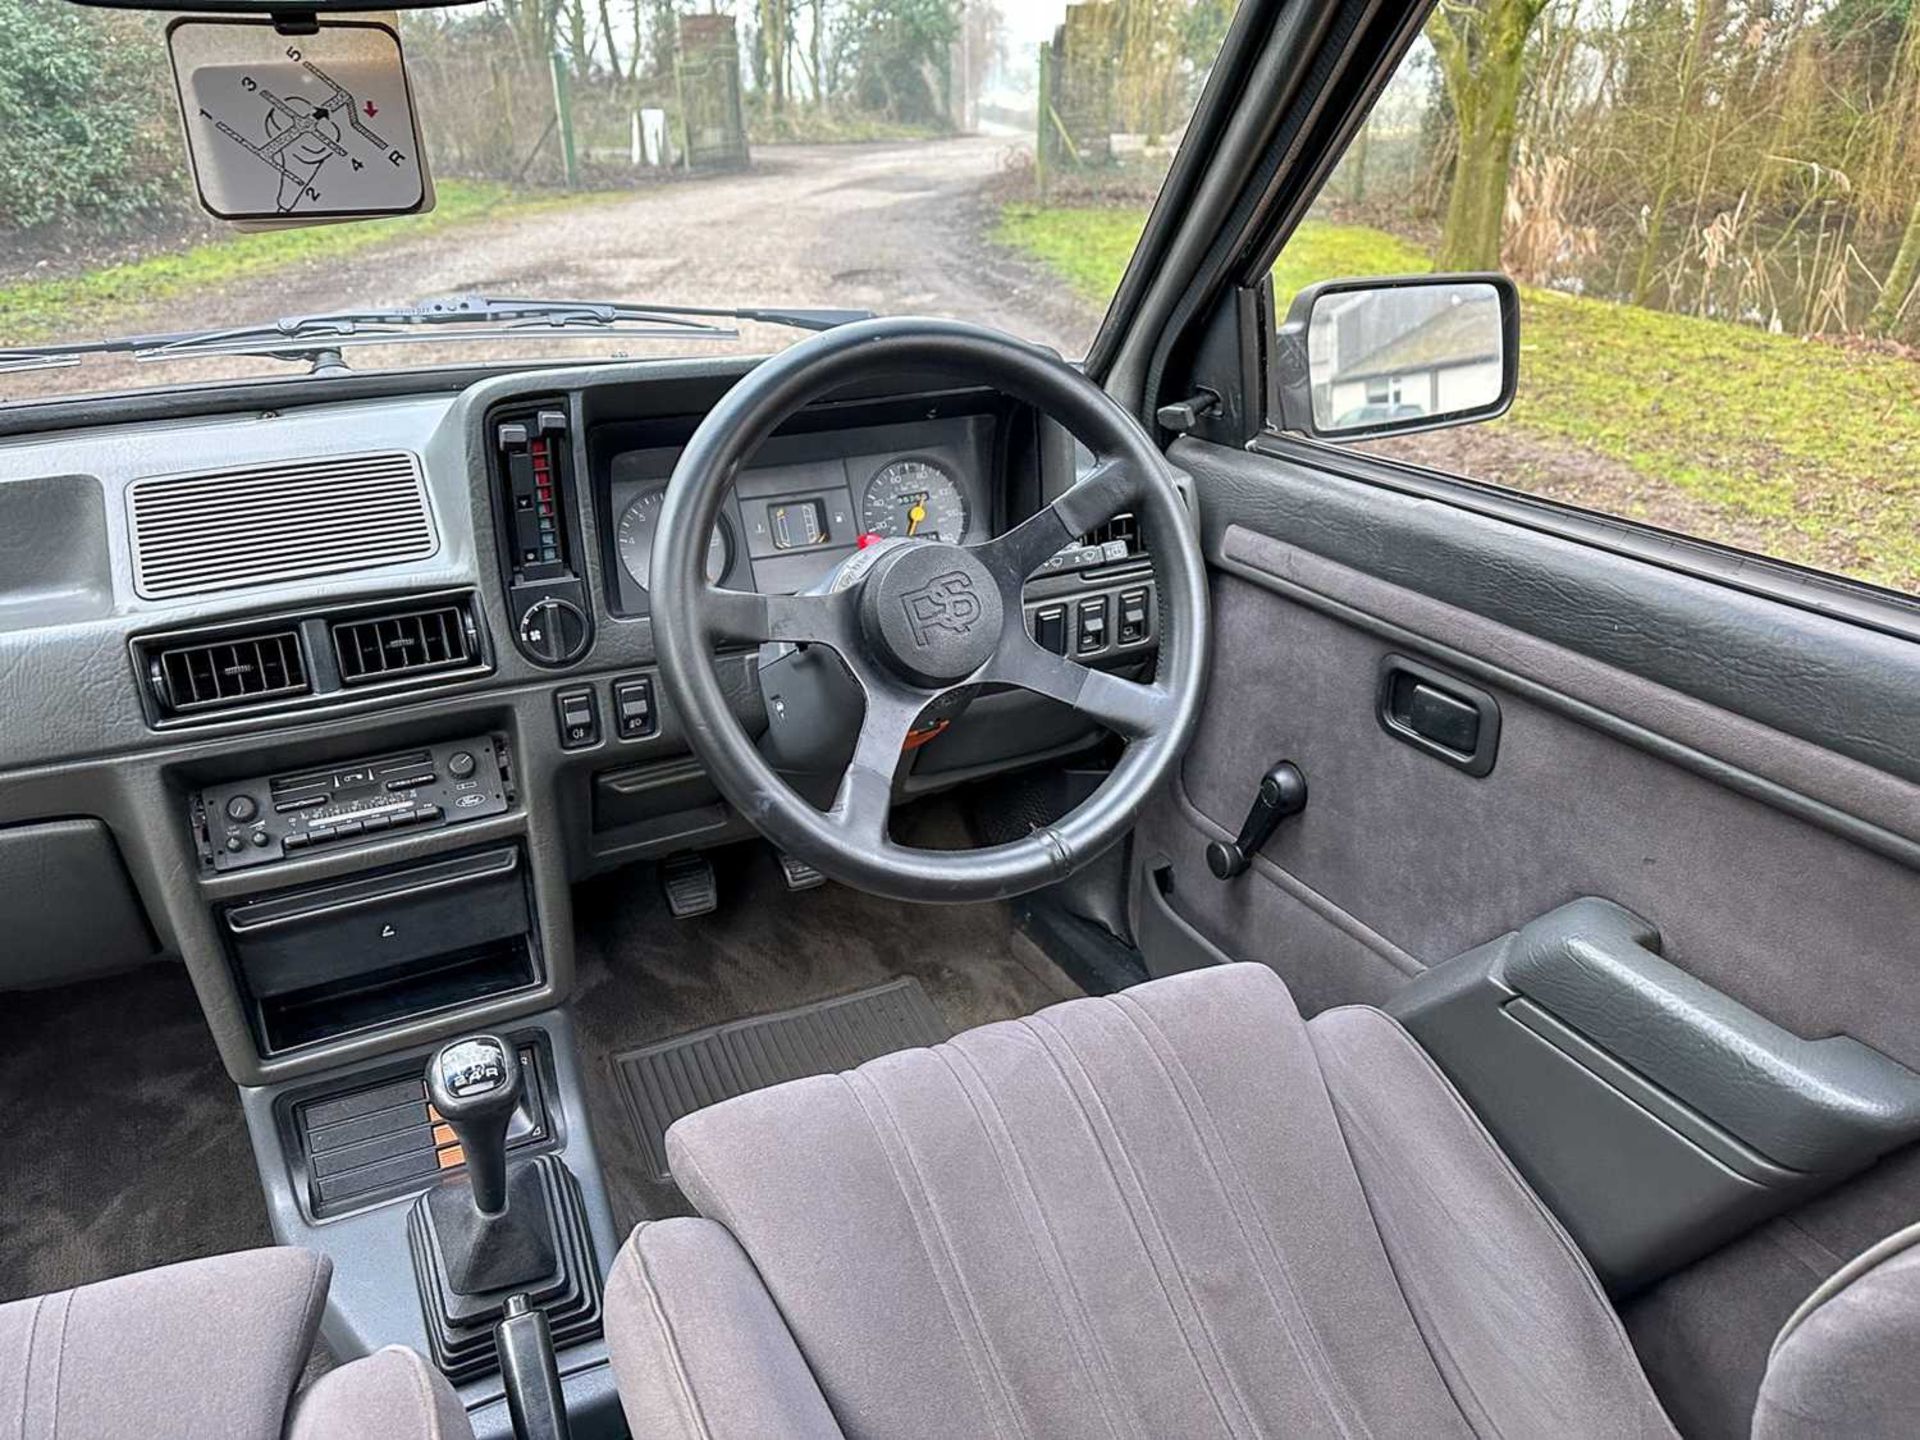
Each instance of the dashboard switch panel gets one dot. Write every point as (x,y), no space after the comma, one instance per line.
(534,508)
(256,822)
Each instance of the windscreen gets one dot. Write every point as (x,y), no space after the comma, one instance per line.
(982,161)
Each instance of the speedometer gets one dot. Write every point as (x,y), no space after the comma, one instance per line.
(637,527)
(915,498)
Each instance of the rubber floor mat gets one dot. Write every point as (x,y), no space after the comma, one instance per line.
(690,1072)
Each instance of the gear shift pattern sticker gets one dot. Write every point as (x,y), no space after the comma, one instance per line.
(294,127)
(473,1065)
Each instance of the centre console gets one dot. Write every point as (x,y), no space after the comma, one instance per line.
(323,959)
(458,1192)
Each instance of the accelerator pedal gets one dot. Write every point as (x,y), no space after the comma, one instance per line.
(690,885)
(800,875)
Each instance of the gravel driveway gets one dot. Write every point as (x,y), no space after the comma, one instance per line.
(890,227)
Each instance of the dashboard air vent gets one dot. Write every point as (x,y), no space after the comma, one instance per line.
(260,524)
(208,675)
(403,642)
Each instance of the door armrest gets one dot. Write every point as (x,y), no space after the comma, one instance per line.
(1822,1104)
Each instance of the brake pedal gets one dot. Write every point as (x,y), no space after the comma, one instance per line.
(800,875)
(690,885)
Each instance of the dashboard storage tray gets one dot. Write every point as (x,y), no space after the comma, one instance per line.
(378,922)
(355,953)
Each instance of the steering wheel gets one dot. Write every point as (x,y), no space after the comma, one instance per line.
(922,619)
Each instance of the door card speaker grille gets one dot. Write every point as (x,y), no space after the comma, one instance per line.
(262,524)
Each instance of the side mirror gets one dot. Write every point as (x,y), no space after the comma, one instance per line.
(1403,353)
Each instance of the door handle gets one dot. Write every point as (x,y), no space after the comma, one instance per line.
(1438,713)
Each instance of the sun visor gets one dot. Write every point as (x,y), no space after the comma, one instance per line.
(286,129)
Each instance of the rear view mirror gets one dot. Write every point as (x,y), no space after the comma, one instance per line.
(1386,356)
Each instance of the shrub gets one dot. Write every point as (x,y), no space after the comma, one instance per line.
(86,108)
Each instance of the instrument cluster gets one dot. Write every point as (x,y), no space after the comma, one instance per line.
(808,501)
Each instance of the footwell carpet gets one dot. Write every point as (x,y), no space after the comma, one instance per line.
(645,978)
(677,1077)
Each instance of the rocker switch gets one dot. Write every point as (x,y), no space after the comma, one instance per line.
(633,708)
(1090,633)
(1050,628)
(579,719)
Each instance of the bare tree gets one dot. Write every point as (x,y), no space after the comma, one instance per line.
(1898,293)
(613,47)
(1482,49)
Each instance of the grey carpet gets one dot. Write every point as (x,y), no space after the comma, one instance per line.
(644,977)
(122,1145)
(122,1140)
(673,1078)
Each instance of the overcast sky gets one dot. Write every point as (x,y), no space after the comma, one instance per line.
(1030,22)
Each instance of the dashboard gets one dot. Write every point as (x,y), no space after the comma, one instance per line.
(268,670)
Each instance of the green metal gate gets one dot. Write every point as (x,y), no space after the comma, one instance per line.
(706,71)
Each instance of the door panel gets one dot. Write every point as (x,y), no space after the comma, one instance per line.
(1798,669)
(1739,771)
(1811,929)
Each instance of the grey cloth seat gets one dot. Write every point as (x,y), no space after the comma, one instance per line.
(1845,1361)
(1178,1211)
(209,1348)
(395,1392)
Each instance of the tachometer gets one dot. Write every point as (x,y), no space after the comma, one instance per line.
(914,498)
(636,532)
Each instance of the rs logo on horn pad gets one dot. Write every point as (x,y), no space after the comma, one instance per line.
(946,602)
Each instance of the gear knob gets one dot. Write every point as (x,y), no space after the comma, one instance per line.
(475,1084)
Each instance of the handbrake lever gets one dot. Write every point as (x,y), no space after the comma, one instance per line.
(535,1400)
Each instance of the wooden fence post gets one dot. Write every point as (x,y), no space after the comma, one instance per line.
(563,112)
(1043,121)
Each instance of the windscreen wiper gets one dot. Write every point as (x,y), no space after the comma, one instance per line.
(319,338)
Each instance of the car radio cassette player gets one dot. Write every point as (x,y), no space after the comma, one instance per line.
(256,822)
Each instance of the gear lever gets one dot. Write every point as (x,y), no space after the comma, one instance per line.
(503,1238)
(475,1085)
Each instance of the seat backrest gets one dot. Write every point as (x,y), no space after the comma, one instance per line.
(206,1347)
(1847,1362)
(1119,1216)
(1134,1215)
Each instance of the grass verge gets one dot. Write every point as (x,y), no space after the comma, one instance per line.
(96,302)
(1805,450)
